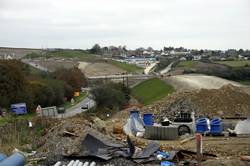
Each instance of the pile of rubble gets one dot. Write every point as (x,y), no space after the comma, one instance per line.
(66,137)
(228,101)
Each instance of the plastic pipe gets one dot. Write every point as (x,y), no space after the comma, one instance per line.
(76,163)
(58,163)
(92,164)
(80,164)
(86,164)
(71,163)
(15,159)
(2,156)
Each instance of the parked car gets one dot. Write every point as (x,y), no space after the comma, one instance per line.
(85,106)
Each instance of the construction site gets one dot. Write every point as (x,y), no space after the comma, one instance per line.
(207,125)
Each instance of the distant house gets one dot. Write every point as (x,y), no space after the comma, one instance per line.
(197,57)
(183,58)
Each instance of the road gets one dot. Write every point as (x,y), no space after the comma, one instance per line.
(150,67)
(76,109)
(167,69)
(121,76)
(36,65)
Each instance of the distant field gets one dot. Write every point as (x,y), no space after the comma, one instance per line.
(75,54)
(152,90)
(188,64)
(127,67)
(81,55)
(234,63)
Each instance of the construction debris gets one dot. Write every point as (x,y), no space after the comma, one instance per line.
(228,101)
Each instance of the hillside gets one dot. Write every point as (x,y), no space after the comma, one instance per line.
(151,90)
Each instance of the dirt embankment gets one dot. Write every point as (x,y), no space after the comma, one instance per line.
(101,69)
(228,101)
(198,81)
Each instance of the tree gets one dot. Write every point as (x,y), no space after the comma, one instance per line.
(47,92)
(12,81)
(111,95)
(241,51)
(73,77)
(96,49)
(149,49)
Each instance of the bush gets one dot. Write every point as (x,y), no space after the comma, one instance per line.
(111,95)
(73,77)
(47,92)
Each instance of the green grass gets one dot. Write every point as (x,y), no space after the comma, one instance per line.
(151,90)
(245,82)
(77,54)
(187,64)
(82,96)
(10,118)
(235,63)
(127,67)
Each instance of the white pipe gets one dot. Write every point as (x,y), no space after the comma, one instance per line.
(86,164)
(76,163)
(92,164)
(58,163)
(71,163)
(80,164)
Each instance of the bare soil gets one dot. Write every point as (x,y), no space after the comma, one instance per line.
(101,69)
(198,81)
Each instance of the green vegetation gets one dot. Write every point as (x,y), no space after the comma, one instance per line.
(151,90)
(245,82)
(19,135)
(78,54)
(9,118)
(128,67)
(239,72)
(75,54)
(33,55)
(235,63)
(111,96)
(187,64)
(78,99)
(20,84)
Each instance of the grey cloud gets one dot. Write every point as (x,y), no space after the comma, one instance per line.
(80,23)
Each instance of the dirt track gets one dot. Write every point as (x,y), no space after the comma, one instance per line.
(198,81)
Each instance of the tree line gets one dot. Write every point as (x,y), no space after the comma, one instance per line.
(19,84)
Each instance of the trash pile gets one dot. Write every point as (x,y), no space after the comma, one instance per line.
(88,140)
(228,101)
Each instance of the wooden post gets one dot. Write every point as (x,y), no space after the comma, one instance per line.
(199,148)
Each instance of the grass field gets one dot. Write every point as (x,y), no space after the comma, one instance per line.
(151,90)
(127,67)
(234,63)
(187,64)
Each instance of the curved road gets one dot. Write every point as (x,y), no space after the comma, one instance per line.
(77,109)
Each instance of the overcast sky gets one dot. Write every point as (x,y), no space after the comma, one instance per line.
(212,24)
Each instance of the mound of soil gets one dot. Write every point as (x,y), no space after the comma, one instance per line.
(228,101)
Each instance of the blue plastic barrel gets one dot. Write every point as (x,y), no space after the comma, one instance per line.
(202,125)
(216,126)
(135,114)
(16,159)
(2,156)
(148,119)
